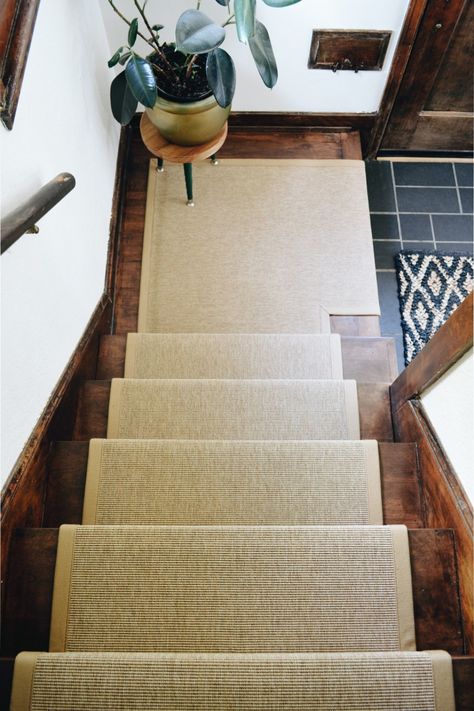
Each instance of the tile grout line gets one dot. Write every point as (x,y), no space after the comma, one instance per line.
(396,203)
(457,189)
(405,212)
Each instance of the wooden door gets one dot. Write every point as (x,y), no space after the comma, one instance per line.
(433,110)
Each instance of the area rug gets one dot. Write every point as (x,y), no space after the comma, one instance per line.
(431,285)
(271,246)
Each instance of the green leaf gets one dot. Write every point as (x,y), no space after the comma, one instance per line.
(157,28)
(245,19)
(262,52)
(223,2)
(132,32)
(220,73)
(197,34)
(114,58)
(141,80)
(122,101)
(280,3)
(125,57)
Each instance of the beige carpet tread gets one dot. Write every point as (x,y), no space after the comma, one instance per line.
(222,355)
(418,681)
(233,409)
(186,482)
(266,249)
(232,589)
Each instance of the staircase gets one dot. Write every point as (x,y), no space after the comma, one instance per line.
(231,525)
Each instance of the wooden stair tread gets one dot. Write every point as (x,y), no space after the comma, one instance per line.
(93,403)
(67,468)
(31,572)
(365,359)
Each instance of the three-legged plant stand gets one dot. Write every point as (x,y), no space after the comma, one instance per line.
(164,150)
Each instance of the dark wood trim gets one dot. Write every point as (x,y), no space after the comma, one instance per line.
(24,491)
(17,22)
(399,64)
(444,501)
(117,219)
(321,121)
(21,220)
(453,339)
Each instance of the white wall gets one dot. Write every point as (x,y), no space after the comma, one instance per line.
(290,28)
(52,282)
(449,403)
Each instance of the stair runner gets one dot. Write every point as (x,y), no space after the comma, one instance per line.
(232,553)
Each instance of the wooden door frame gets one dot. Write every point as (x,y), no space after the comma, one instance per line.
(434,46)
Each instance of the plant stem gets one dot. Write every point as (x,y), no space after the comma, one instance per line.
(154,42)
(155,48)
(190,63)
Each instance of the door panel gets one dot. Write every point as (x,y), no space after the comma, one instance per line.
(433,108)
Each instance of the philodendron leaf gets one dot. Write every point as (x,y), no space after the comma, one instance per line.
(196,33)
(262,52)
(245,19)
(122,101)
(220,73)
(280,3)
(141,80)
(132,32)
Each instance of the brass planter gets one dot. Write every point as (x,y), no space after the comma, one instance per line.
(188,124)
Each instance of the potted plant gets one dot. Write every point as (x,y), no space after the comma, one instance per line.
(187,86)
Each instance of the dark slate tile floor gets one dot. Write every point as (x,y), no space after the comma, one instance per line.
(421,206)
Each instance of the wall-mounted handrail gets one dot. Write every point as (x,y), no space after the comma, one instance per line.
(24,218)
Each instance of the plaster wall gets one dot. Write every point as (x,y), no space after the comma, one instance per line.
(449,404)
(52,282)
(290,29)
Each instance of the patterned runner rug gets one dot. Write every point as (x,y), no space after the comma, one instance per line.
(431,285)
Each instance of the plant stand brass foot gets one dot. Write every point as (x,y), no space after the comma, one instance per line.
(214,159)
(160,166)
(190,203)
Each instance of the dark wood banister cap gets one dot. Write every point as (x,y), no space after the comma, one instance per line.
(17,222)
(449,343)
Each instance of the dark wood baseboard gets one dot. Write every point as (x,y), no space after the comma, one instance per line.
(444,501)
(333,122)
(24,490)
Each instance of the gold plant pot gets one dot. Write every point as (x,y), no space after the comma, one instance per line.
(188,124)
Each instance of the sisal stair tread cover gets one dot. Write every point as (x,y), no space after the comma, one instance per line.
(418,681)
(279,258)
(186,482)
(233,409)
(232,589)
(222,355)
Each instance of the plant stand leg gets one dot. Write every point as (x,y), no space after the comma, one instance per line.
(159,167)
(214,159)
(188,177)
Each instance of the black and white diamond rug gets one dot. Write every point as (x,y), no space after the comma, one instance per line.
(431,285)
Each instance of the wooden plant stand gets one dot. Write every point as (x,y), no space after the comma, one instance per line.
(164,150)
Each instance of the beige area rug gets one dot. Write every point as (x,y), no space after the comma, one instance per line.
(216,483)
(222,355)
(418,681)
(233,409)
(232,589)
(271,246)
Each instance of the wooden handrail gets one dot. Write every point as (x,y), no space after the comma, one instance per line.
(447,345)
(24,218)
